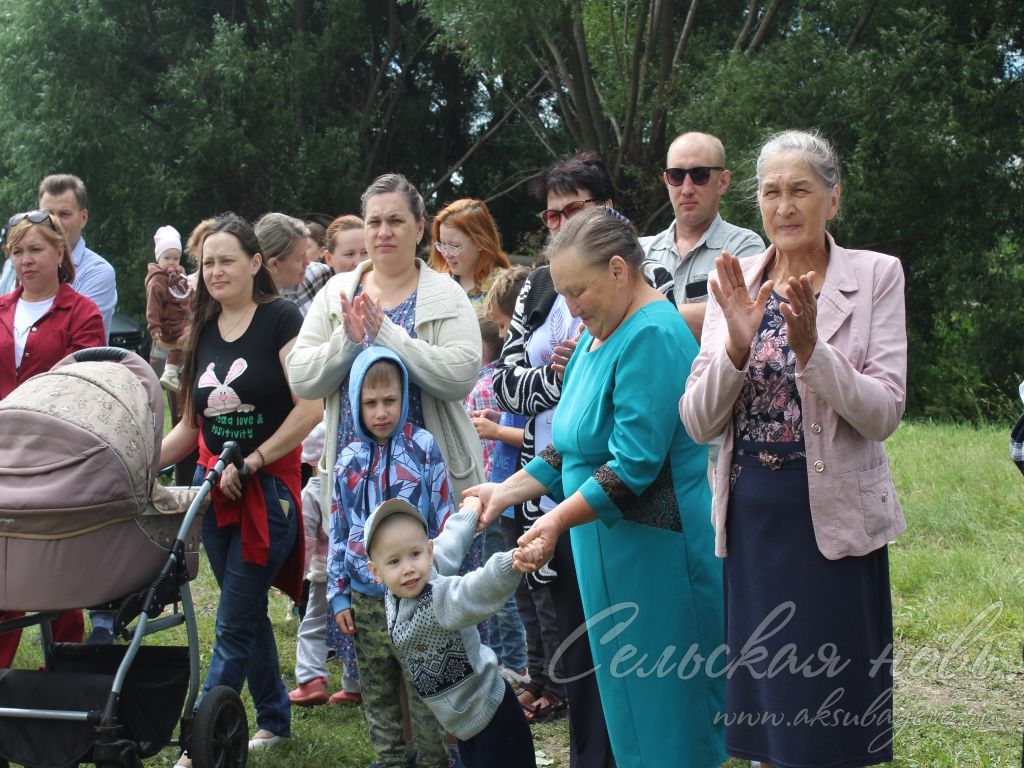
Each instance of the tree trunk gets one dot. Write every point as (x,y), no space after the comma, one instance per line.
(762,30)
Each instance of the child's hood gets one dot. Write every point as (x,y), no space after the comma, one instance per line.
(360,365)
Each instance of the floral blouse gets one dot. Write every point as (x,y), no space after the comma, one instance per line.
(768,408)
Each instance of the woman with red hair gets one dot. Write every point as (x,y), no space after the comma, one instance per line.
(467,247)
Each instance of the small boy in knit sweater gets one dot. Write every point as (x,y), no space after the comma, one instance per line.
(168,301)
(432,614)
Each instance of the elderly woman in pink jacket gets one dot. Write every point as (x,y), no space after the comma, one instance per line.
(802,368)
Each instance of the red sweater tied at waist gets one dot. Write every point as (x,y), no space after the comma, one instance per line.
(249,511)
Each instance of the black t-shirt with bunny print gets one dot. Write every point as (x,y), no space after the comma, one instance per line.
(240,390)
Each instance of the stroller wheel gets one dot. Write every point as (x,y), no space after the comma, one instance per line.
(220,731)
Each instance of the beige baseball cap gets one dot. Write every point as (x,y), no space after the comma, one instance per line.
(385,510)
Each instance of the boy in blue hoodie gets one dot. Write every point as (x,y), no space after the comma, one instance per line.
(391,459)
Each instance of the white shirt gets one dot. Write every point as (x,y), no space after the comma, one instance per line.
(558,325)
(26,315)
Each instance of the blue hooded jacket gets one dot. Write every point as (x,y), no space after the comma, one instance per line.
(407,466)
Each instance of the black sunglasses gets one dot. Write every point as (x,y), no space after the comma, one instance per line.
(551,217)
(34,217)
(700,175)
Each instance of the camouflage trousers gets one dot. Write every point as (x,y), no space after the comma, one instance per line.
(381,675)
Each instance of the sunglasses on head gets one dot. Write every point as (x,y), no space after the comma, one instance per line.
(700,175)
(34,217)
(551,217)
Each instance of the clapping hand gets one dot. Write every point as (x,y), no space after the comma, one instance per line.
(801,315)
(373,315)
(353,320)
(563,351)
(743,315)
(362,317)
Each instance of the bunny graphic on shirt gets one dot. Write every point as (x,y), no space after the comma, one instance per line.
(224,399)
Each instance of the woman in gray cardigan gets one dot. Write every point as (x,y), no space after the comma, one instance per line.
(397,301)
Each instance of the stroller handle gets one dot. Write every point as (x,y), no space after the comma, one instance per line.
(100,355)
(233,454)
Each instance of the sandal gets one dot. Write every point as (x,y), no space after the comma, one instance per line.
(542,713)
(535,692)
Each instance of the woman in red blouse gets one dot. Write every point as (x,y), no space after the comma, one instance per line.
(42,321)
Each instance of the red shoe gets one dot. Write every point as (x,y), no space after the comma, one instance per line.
(310,693)
(345,697)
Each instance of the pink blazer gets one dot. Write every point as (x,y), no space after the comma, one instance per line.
(852,390)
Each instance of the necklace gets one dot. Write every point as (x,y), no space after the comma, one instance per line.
(224,334)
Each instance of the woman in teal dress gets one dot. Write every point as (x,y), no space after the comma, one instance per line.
(632,489)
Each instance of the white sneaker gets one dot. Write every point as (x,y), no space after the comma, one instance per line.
(171,378)
(515,678)
(263,739)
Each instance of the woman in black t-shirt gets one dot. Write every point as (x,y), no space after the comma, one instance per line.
(236,389)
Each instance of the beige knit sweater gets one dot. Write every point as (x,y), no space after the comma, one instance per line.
(443,361)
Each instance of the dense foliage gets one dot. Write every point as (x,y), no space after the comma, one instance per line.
(173,110)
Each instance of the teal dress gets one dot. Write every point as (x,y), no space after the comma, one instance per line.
(651,587)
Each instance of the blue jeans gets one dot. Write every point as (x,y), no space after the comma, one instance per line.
(244,649)
(508,637)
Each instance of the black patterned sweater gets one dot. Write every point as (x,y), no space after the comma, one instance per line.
(436,637)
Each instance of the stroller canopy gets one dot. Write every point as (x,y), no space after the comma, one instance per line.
(80,445)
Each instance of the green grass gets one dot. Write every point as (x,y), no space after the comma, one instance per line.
(958,686)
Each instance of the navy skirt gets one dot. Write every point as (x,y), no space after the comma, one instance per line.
(809,674)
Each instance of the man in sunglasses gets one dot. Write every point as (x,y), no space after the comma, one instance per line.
(64,196)
(696,179)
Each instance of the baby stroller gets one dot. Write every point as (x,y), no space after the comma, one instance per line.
(82,523)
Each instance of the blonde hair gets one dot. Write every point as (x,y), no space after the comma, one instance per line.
(54,234)
(382,373)
(195,240)
(505,291)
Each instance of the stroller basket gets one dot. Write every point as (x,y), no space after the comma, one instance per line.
(80,677)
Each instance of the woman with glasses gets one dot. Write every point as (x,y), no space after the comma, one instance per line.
(41,322)
(396,301)
(467,246)
(803,369)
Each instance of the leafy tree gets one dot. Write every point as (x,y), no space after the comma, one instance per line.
(922,100)
(174,110)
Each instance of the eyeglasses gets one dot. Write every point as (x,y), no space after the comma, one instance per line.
(700,175)
(447,249)
(552,217)
(34,217)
